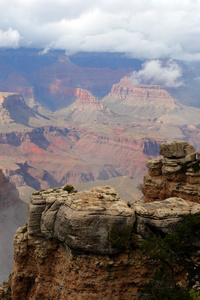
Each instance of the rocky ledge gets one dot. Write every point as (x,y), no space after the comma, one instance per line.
(83,220)
(80,220)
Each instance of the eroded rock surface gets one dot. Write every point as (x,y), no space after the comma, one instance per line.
(175,175)
(162,217)
(67,245)
(82,220)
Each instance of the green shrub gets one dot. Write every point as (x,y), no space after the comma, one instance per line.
(123,237)
(195,295)
(69,188)
(172,250)
(24,229)
(162,287)
(184,167)
(196,166)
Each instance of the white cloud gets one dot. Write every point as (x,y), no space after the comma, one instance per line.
(9,38)
(149,29)
(154,72)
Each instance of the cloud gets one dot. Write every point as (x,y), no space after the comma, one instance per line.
(154,72)
(9,38)
(147,29)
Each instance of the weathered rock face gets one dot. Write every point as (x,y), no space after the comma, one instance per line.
(82,221)
(175,175)
(67,243)
(162,217)
(176,149)
(44,269)
(67,246)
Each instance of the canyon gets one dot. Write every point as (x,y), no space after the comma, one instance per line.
(66,242)
(80,120)
(73,119)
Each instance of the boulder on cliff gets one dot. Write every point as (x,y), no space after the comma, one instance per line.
(83,220)
(176,149)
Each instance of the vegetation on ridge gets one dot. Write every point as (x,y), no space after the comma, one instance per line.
(173,250)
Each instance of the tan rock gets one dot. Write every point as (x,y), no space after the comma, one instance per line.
(176,149)
(82,220)
(154,164)
(163,216)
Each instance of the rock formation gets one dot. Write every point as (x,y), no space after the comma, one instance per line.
(66,243)
(15,114)
(175,175)
(149,103)
(149,93)
(52,156)
(81,220)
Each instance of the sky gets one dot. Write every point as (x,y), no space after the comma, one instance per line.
(145,29)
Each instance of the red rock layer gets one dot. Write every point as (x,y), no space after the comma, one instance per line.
(126,89)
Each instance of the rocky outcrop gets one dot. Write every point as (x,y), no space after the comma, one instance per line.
(162,217)
(175,175)
(67,240)
(82,221)
(67,246)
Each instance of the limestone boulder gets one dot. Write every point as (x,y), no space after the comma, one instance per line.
(176,149)
(83,220)
(162,217)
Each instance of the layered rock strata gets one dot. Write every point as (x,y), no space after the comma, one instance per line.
(66,245)
(177,174)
